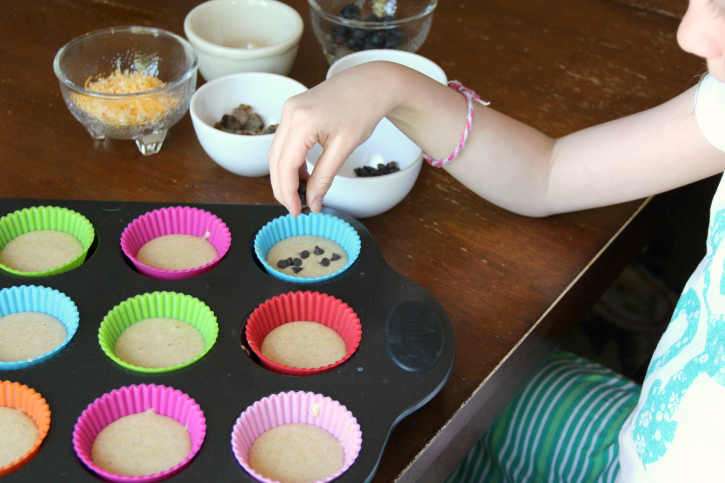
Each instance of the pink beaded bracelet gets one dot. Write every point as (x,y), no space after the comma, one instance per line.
(470,96)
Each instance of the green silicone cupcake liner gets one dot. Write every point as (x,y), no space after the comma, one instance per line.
(37,218)
(157,304)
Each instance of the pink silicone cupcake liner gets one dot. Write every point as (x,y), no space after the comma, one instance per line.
(131,400)
(303,306)
(19,396)
(179,220)
(296,407)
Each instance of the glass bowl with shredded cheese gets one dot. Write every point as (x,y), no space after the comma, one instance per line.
(128,83)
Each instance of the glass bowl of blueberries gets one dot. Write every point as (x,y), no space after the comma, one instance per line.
(343,27)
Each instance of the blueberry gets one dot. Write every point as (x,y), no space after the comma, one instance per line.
(350,11)
(339,33)
(356,39)
(376,40)
(394,39)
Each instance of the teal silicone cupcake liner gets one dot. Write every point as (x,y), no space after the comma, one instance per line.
(157,304)
(37,218)
(323,225)
(31,298)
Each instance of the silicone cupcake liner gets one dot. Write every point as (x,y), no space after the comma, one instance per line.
(303,306)
(175,221)
(157,304)
(134,399)
(47,218)
(18,396)
(31,298)
(313,224)
(296,407)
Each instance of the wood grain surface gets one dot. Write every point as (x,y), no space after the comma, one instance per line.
(512,285)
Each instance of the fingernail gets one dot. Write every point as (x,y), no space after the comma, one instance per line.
(316,205)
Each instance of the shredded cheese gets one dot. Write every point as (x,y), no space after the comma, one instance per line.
(123,112)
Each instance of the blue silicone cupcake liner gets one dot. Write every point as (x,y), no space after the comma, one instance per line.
(31,298)
(327,226)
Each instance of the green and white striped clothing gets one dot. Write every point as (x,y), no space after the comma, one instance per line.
(562,427)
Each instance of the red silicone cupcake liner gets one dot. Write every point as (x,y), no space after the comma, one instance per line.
(296,407)
(134,399)
(179,220)
(307,306)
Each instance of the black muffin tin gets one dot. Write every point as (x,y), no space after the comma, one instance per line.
(405,355)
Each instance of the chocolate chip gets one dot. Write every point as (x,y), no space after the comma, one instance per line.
(318,250)
(297,262)
(297,269)
(302,192)
(335,257)
(325,262)
(304,254)
(282,264)
(382,169)
(290,262)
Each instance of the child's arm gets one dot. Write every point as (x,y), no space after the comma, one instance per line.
(505,161)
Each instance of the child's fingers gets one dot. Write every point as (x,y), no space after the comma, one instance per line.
(288,165)
(333,156)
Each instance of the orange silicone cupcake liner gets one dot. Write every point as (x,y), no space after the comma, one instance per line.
(18,396)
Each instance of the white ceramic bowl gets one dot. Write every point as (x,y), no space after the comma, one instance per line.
(408,59)
(233,36)
(265,93)
(366,197)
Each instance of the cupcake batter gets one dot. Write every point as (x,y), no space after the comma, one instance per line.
(40,250)
(307,256)
(26,335)
(296,453)
(19,434)
(159,342)
(306,345)
(141,444)
(177,252)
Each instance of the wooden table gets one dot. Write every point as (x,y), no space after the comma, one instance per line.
(511,285)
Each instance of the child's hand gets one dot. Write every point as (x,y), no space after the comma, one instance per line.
(339,114)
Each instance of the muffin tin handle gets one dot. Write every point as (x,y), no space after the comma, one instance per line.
(414,336)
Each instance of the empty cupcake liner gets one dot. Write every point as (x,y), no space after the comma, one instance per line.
(19,396)
(157,304)
(179,220)
(37,218)
(324,225)
(134,399)
(296,407)
(31,298)
(303,306)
